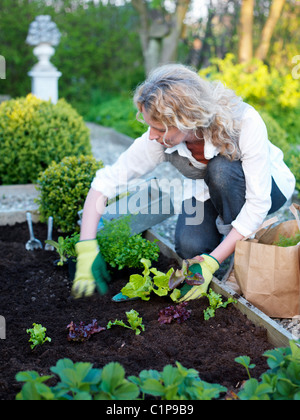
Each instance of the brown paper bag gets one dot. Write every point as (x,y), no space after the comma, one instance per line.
(269,275)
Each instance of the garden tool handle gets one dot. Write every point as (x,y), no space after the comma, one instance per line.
(29,222)
(50,228)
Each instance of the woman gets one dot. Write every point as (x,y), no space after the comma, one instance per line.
(210,135)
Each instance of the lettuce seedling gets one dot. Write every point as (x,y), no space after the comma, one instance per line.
(179,276)
(60,249)
(135,323)
(177,313)
(65,247)
(81,332)
(215,302)
(37,335)
(142,285)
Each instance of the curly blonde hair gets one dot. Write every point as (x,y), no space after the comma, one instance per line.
(177,96)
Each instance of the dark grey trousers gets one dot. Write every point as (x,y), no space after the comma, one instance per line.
(227,188)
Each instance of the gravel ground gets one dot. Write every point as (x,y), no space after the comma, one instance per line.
(107,145)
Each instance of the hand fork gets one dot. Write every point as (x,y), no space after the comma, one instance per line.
(33,243)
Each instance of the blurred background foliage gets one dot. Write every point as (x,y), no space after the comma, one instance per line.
(106,49)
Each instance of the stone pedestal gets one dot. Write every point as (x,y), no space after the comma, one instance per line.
(44,85)
(44,75)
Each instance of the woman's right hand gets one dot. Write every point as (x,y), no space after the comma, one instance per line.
(91,271)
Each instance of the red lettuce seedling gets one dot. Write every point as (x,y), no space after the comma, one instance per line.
(81,332)
(177,313)
(179,276)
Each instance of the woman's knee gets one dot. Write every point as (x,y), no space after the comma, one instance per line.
(221,172)
(198,238)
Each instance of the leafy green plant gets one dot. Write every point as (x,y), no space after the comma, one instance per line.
(34,133)
(281,381)
(37,335)
(120,249)
(65,247)
(34,388)
(215,302)
(60,249)
(176,383)
(283,241)
(246,362)
(78,381)
(63,189)
(134,321)
(142,285)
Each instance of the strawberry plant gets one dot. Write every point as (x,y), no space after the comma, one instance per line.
(176,383)
(37,335)
(281,381)
(135,322)
(78,381)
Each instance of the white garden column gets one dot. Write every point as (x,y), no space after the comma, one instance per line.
(44,35)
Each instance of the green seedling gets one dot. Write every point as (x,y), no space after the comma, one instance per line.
(60,249)
(37,335)
(135,322)
(245,361)
(215,302)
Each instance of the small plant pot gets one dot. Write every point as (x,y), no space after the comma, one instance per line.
(72,268)
(56,263)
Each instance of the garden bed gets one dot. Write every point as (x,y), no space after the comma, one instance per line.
(34,290)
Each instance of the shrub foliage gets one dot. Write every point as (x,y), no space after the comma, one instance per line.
(63,189)
(33,133)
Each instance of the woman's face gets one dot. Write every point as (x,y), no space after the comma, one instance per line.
(158,131)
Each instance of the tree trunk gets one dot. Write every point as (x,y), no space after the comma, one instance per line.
(275,12)
(160,34)
(246,27)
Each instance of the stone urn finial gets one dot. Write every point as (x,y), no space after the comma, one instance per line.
(44,35)
(43,30)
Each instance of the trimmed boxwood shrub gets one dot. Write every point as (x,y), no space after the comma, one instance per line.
(63,189)
(33,133)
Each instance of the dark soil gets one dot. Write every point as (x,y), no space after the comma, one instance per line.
(32,290)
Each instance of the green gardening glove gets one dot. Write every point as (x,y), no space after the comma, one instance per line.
(206,268)
(90,270)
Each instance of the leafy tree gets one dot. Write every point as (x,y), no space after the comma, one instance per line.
(160,30)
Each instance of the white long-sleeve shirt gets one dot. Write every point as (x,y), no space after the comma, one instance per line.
(260,159)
